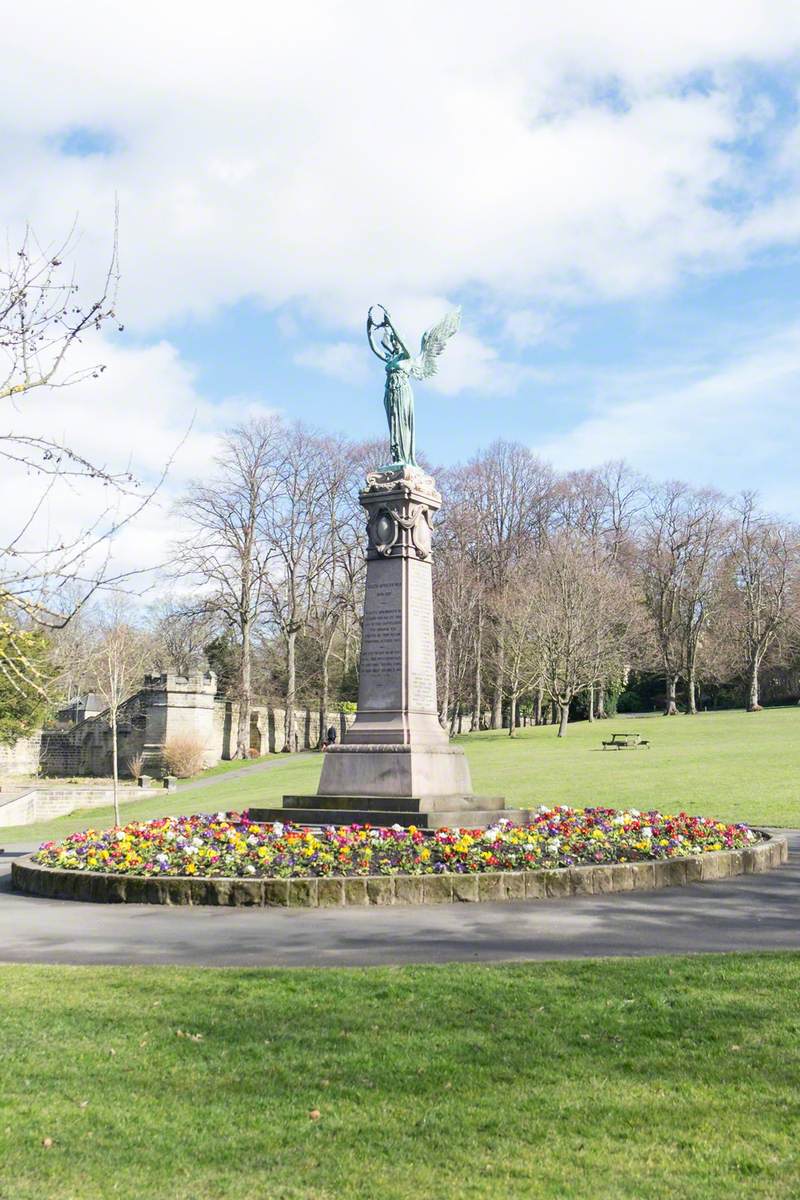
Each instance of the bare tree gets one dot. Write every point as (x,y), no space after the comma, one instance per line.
(522,650)
(293,528)
(702,587)
(228,553)
(506,494)
(120,655)
(334,586)
(583,616)
(181,629)
(764,555)
(662,570)
(43,320)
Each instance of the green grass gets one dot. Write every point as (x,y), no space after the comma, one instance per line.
(736,766)
(631,1080)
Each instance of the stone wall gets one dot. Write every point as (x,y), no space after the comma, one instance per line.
(22,758)
(171,706)
(42,804)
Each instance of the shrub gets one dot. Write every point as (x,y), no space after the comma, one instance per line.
(135,765)
(183,755)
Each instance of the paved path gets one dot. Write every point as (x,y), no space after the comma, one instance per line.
(751,912)
(189,785)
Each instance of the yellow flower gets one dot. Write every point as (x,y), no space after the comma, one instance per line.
(190,868)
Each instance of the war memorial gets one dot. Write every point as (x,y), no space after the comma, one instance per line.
(396,764)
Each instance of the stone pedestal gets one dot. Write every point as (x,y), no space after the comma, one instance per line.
(396,764)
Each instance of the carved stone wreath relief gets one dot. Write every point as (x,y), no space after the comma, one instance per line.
(385,524)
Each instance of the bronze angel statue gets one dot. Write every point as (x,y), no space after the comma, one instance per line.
(398,398)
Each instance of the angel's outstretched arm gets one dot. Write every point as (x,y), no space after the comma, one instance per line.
(372,330)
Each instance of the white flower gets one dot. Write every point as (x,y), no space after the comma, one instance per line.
(277,829)
(398,828)
(253,840)
(250,869)
(162,858)
(120,835)
(634,812)
(221,816)
(553,845)
(647,832)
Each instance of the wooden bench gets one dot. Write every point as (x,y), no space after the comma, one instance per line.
(626,741)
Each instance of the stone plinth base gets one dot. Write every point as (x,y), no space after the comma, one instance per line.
(387,769)
(429,812)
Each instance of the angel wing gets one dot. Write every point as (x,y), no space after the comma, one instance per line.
(433,343)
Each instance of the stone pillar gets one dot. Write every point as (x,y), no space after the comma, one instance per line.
(395,764)
(396,746)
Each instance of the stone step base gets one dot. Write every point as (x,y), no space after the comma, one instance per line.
(411,804)
(478,818)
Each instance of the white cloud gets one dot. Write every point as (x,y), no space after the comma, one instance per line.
(310,155)
(345,361)
(700,424)
(141,415)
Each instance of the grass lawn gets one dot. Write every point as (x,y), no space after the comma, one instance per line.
(634,1079)
(734,765)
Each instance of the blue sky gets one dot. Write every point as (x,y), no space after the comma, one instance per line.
(611,192)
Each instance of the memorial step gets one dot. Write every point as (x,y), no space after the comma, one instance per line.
(454,818)
(412,804)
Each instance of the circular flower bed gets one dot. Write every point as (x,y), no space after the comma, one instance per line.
(228,846)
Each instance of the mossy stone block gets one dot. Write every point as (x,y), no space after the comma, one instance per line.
(535,885)
(437,889)
(355,891)
(621,877)
(330,892)
(582,879)
(303,893)
(558,883)
(276,892)
(380,889)
(490,887)
(513,885)
(408,889)
(465,888)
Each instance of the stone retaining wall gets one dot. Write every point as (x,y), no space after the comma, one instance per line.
(313,892)
(41,804)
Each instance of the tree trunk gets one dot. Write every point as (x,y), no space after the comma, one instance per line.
(691,686)
(512,707)
(323,699)
(601,703)
(497,699)
(115,764)
(243,724)
(477,696)
(497,707)
(752,690)
(591,703)
(564,720)
(291,693)
(537,705)
(672,690)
